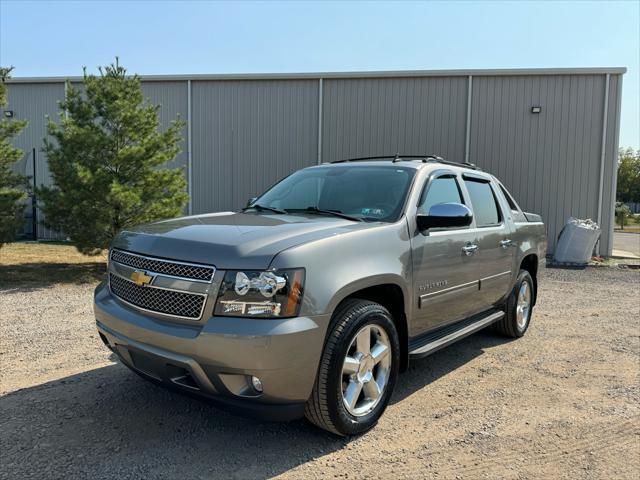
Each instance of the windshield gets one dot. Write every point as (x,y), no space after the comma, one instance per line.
(368,193)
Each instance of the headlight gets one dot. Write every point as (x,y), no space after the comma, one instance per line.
(265,294)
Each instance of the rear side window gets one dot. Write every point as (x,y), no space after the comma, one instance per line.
(510,200)
(440,190)
(483,201)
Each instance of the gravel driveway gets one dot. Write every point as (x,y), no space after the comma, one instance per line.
(562,402)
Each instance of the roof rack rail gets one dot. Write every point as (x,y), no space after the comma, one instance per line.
(471,166)
(362,159)
(402,158)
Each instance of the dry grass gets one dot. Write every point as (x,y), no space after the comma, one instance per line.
(628,229)
(632,225)
(36,265)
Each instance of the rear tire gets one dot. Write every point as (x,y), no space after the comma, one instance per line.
(518,307)
(358,369)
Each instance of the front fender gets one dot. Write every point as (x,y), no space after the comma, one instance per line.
(340,265)
(371,281)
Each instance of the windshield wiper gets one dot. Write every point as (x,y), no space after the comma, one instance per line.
(262,208)
(335,213)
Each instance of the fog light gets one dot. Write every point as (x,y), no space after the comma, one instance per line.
(257,384)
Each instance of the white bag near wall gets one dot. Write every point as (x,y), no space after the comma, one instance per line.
(577,240)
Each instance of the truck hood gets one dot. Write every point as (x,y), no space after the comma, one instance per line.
(231,240)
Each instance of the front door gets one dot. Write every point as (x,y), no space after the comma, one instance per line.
(446,284)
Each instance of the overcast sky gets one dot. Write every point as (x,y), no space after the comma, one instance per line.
(57,38)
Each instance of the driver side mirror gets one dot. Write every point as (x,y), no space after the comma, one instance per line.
(251,200)
(445,215)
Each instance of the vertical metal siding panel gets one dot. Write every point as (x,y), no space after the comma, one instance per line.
(502,106)
(236,162)
(172,98)
(588,175)
(578,146)
(547,101)
(569,164)
(556,138)
(461,106)
(328,136)
(368,114)
(545,159)
(248,135)
(502,89)
(439,115)
(591,161)
(33,102)
(426,118)
(534,87)
(611,154)
(536,170)
(512,116)
(528,122)
(561,183)
(413,134)
(582,143)
(379,116)
(403,139)
(491,107)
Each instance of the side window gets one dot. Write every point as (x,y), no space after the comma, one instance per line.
(440,190)
(510,200)
(483,200)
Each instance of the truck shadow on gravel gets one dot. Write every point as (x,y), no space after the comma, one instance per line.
(109,423)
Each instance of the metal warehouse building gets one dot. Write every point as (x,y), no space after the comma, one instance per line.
(551,135)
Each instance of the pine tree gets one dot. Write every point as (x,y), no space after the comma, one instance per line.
(104,157)
(13,187)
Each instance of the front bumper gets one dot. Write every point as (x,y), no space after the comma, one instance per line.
(218,357)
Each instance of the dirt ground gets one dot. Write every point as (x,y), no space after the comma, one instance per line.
(562,402)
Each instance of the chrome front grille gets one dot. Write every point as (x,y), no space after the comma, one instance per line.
(160,300)
(166,267)
(168,287)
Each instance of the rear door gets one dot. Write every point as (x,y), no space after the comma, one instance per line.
(444,261)
(495,255)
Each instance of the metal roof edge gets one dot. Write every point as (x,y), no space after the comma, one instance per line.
(363,74)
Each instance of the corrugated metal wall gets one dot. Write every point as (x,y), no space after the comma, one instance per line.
(172,98)
(374,116)
(34,102)
(248,133)
(550,161)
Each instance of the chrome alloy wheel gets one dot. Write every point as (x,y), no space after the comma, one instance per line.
(523,305)
(365,371)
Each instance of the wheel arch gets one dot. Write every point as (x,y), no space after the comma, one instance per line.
(390,294)
(530,263)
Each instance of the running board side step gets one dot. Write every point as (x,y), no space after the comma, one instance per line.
(444,337)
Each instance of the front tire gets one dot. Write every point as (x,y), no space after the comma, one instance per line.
(358,369)
(518,307)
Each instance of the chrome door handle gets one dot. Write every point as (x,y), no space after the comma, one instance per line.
(505,243)
(470,249)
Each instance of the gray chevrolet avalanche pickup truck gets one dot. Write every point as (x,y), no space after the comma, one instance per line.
(313,298)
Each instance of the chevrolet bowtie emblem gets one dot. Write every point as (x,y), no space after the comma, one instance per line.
(140,278)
